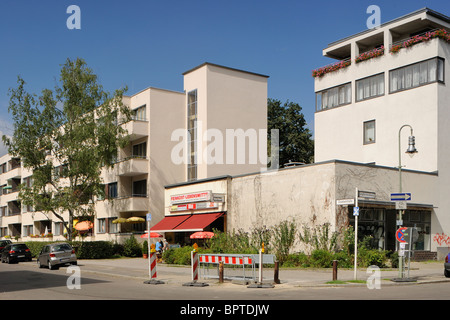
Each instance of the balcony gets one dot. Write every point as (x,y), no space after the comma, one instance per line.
(135,202)
(132,166)
(136,129)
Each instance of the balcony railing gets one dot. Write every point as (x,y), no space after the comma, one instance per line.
(377,52)
(423,37)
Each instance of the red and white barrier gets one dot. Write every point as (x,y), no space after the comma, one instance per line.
(153,265)
(233,260)
(194,263)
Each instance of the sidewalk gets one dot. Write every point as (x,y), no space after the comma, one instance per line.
(137,268)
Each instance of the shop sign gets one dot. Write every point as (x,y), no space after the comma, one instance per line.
(191,197)
(194,206)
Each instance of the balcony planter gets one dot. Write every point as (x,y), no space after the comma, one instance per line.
(441,34)
(331,68)
(377,52)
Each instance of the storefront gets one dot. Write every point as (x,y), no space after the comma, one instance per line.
(379,223)
(193,207)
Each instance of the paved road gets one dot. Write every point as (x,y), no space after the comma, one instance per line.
(124,280)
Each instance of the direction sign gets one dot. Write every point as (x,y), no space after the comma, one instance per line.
(344,202)
(400,196)
(400,234)
(401,205)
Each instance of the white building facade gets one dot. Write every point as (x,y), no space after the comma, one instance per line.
(168,138)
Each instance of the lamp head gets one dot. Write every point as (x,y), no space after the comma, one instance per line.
(411,146)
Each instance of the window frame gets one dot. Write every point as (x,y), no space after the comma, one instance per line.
(381,75)
(328,90)
(365,141)
(420,83)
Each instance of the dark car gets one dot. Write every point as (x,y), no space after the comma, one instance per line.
(447,266)
(55,255)
(3,244)
(15,252)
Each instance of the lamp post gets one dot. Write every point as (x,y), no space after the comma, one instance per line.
(411,151)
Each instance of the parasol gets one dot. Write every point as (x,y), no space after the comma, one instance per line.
(202,235)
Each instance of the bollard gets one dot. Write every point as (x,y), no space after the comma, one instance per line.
(261,284)
(335,263)
(152,266)
(276,269)
(194,269)
(221,272)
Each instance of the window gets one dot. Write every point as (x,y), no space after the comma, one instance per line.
(334,97)
(369,132)
(101,226)
(416,75)
(140,150)
(59,227)
(27,230)
(112,227)
(370,87)
(112,190)
(192,137)
(139,113)
(140,188)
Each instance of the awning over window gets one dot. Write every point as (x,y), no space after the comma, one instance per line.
(186,223)
(169,223)
(198,222)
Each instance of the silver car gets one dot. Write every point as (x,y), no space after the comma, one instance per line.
(55,255)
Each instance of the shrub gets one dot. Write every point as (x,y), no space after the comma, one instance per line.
(321,258)
(145,247)
(131,248)
(92,249)
(296,260)
(284,239)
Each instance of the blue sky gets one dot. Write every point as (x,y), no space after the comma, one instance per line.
(151,43)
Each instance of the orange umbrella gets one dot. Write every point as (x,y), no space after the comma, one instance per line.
(84,226)
(202,235)
(152,235)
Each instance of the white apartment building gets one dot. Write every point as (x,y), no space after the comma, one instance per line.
(215,99)
(388,77)
(384,78)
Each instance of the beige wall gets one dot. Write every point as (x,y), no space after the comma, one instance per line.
(228,99)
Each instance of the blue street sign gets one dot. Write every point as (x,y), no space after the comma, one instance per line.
(400,196)
(149,217)
(356,211)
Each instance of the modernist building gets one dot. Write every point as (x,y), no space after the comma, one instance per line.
(169,137)
(384,78)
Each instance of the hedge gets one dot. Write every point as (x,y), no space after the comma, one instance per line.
(83,249)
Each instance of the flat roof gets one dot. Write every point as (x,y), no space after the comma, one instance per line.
(423,10)
(224,67)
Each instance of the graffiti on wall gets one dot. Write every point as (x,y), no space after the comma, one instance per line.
(441,239)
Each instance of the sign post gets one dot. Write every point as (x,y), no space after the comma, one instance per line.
(151,256)
(356,214)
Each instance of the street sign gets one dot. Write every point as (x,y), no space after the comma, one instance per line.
(356,211)
(400,234)
(344,202)
(411,233)
(400,205)
(149,216)
(366,194)
(400,196)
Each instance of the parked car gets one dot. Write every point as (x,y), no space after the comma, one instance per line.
(447,266)
(15,252)
(3,244)
(55,255)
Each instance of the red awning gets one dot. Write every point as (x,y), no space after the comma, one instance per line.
(169,223)
(198,222)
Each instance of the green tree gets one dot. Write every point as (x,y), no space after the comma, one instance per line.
(64,138)
(295,138)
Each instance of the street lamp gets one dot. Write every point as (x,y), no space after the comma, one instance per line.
(411,151)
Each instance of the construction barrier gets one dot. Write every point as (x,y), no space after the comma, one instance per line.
(245,265)
(152,266)
(194,270)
